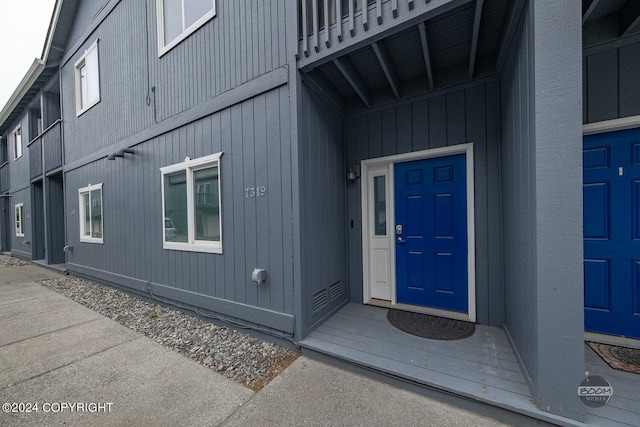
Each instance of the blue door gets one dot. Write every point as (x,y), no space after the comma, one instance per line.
(611,165)
(431,233)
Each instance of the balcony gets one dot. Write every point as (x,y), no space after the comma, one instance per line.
(368,52)
(49,145)
(5,183)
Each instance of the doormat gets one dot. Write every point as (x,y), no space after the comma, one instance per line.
(431,327)
(621,358)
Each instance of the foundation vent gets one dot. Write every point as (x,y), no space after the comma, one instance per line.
(335,290)
(319,300)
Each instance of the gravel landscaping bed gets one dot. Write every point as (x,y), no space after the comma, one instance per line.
(9,261)
(240,357)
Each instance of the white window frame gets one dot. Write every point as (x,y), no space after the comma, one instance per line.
(80,63)
(19,224)
(81,192)
(191,166)
(166,47)
(17,145)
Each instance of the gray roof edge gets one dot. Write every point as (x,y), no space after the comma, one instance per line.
(27,81)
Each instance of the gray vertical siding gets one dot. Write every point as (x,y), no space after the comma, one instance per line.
(54,193)
(254,138)
(323,249)
(518,196)
(611,87)
(21,246)
(464,115)
(542,183)
(138,89)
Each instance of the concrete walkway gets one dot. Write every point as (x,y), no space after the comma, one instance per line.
(83,369)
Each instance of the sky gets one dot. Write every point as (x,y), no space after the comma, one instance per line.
(23,29)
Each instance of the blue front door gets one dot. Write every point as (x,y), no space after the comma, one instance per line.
(431,233)
(611,165)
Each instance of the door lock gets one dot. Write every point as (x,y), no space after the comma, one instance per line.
(399,229)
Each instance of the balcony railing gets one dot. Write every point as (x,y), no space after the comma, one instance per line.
(53,147)
(329,27)
(49,144)
(5,184)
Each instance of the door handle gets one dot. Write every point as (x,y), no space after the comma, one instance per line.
(401,240)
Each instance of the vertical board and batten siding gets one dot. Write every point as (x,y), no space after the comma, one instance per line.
(54,194)
(256,232)
(19,168)
(519,195)
(323,222)
(18,245)
(246,39)
(611,84)
(459,116)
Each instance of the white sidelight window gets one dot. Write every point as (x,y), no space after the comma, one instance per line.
(87,79)
(177,19)
(90,199)
(19,217)
(191,205)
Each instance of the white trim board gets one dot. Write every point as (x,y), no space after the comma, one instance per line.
(611,125)
(382,163)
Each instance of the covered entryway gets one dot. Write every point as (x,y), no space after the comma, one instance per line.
(612,233)
(417,227)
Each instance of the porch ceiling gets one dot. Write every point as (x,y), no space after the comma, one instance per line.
(451,48)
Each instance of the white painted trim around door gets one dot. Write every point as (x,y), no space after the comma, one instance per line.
(386,165)
(611,125)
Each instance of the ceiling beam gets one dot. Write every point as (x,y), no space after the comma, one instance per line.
(587,13)
(350,73)
(425,53)
(629,18)
(508,30)
(387,66)
(474,37)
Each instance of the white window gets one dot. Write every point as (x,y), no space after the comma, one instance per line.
(91,214)
(17,143)
(191,205)
(177,19)
(87,80)
(19,216)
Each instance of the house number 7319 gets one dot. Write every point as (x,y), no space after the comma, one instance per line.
(253,192)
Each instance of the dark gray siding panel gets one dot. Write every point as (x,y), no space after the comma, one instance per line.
(459,116)
(518,196)
(254,138)
(21,246)
(19,169)
(245,40)
(322,196)
(611,84)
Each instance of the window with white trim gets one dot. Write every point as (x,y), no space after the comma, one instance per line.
(17,143)
(19,217)
(177,19)
(191,205)
(91,225)
(87,79)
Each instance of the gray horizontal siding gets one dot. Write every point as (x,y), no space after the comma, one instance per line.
(245,40)
(254,138)
(611,86)
(456,117)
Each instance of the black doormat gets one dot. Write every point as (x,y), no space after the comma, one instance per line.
(621,358)
(431,327)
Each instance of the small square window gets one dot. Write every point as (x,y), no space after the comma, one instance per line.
(17,143)
(87,80)
(90,200)
(177,19)
(19,217)
(191,205)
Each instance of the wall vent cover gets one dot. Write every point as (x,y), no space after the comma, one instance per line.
(335,290)
(319,300)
